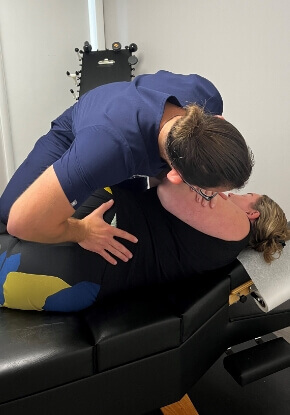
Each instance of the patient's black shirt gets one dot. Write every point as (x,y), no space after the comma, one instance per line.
(66,277)
(168,249)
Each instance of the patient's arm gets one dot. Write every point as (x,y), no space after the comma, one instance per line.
(226,221)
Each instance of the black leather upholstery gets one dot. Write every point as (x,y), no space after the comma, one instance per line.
(139,352)
(265,358)
(40,351)
(133,328)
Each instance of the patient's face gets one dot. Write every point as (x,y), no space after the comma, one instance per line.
(245,201)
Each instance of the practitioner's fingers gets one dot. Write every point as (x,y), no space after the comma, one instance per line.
(198,198)
(123,234)
(113,230)
(105,245)
(214,200)
(205,202)
(120,254)
(103,208)
(223,195)
(201,199)
(99,236)
(106,255)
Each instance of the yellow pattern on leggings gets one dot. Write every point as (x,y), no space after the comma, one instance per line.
(30,291)
(114,220)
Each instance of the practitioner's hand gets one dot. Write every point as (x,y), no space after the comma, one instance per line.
(203,201)
(100,236)
(223,195)
(213,201)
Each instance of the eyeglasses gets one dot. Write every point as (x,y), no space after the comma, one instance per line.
(199,191)
(194,189)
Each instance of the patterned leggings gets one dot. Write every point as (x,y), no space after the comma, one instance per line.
(52,277)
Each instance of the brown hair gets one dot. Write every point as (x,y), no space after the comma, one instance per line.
(269,231)
(208,151)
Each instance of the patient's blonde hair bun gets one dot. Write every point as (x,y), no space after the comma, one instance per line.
(269,231)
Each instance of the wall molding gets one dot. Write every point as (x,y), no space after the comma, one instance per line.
(7,156)
(97,26)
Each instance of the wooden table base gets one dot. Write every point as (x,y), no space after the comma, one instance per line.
(182,407)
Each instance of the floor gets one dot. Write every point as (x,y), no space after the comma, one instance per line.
(217,393)
(284,333)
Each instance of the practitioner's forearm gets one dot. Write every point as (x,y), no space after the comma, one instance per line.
(91,233)
(42,213)
(71,230)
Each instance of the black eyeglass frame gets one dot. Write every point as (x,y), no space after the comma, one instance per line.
(200,192)
(193,189)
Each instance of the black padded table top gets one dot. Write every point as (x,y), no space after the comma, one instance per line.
(42,350)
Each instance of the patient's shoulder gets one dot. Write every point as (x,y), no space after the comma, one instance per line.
(225,221)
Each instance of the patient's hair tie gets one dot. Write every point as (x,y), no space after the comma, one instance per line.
(282,242)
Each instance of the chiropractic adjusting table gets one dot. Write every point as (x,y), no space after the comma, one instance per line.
(139,352)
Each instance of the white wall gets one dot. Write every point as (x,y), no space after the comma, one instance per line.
(240,45)
(38,39)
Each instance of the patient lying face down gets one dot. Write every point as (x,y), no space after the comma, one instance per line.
(177,238)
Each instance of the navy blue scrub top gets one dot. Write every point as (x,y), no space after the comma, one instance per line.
(113,130)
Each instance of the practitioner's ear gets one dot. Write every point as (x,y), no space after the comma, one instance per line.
(253,214)
(174,177)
